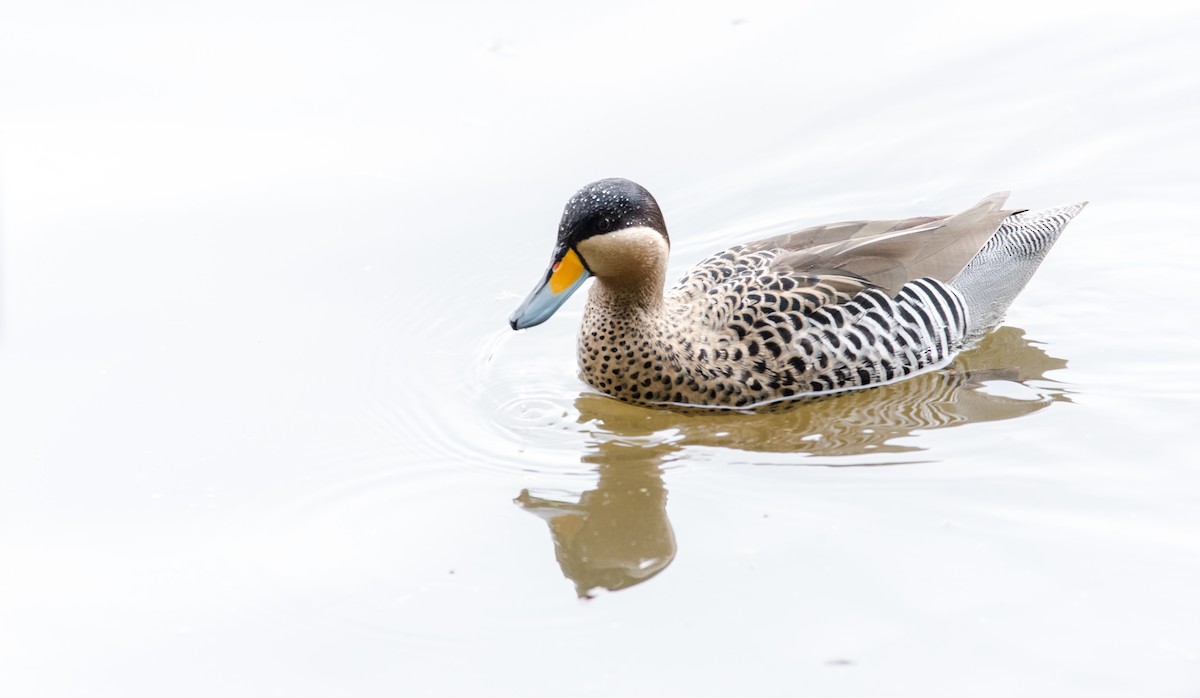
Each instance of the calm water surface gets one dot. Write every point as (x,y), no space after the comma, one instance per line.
(265,430)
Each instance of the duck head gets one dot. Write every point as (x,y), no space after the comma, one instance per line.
(611,229)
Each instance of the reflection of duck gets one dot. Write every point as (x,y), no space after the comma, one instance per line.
(813,312)
(618,534)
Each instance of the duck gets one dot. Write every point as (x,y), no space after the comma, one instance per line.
(804,314)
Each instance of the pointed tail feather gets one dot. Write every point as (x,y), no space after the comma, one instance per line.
(995,275)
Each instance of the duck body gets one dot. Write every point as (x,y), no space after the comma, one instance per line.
(804,314)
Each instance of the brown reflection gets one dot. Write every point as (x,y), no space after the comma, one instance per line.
(618,535)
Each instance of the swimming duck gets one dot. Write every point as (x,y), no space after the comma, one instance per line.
(808,313)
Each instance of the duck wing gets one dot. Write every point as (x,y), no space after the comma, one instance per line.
(804,270)
(888,254)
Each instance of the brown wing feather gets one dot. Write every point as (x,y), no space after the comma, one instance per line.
(888,254)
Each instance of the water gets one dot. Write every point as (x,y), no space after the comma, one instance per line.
(265,431)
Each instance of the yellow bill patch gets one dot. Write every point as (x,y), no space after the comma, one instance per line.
(565,272)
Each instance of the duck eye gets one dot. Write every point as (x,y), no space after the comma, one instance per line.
(603,224)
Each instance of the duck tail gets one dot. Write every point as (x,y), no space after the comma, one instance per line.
(994,276)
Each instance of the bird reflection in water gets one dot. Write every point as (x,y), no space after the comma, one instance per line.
(617,534)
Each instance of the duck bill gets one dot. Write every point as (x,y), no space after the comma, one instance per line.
(566,274)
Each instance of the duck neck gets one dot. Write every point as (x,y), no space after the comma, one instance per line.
(630,267)
(622,297)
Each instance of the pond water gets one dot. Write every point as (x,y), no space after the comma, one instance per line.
(265,430)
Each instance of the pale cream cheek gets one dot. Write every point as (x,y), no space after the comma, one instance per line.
(625,253)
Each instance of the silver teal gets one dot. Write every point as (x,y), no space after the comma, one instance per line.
(803,314)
